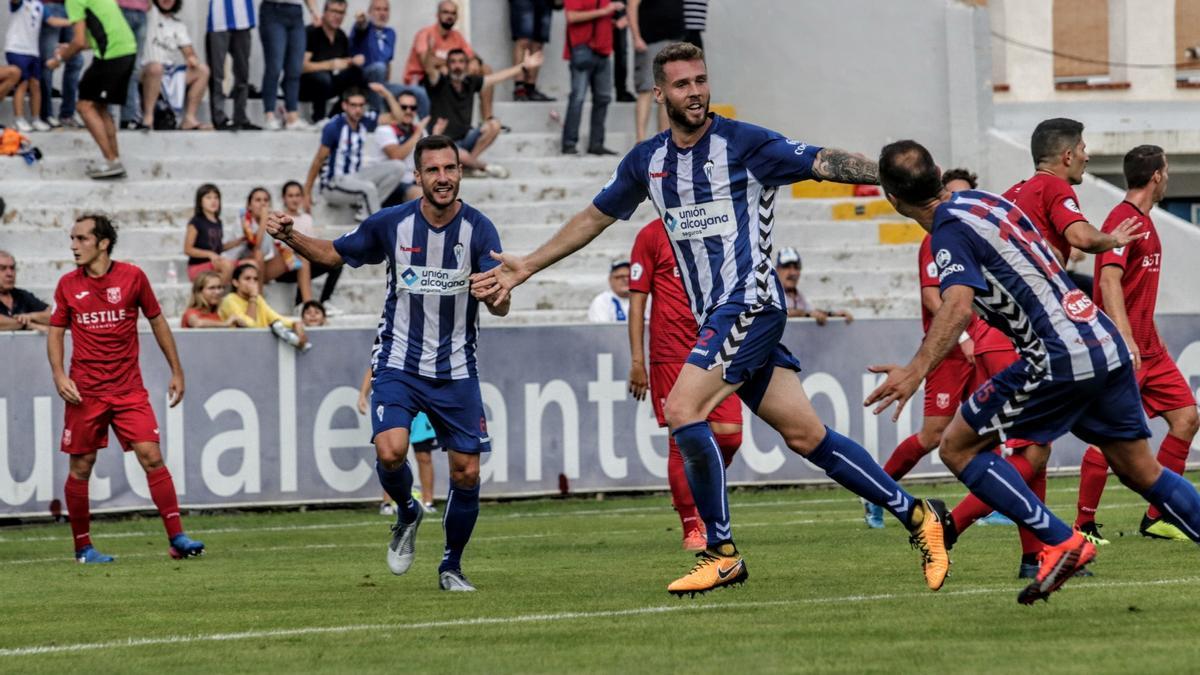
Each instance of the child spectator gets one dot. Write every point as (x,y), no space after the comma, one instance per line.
(21,50)
(259,248)
(183,84)
(202,309)
(202,243)
(312,314)
(251,310)
(293,204)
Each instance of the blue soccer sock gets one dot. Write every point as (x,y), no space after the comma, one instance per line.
(852,467)
(1178,501)
(398,485)
(705,472)
(1001,487)
(462,510)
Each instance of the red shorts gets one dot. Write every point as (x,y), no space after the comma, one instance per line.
(195,270)
(1163,387)
(662,379)
(946,386)
(85,428)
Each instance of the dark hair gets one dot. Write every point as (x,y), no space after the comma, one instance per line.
(435,142)
(312,303)
(333,2)
(241,269)
(907,172)
(452,52)
(102,228)
(961,174)
(353,91)
(1141,163)
(173,11)
(409,94)
(1052,136)
(255,191)
(291,183)
(202,192)
(677,51)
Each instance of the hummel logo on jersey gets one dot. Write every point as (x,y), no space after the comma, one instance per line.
(659,174)
(409,276)
(81,295)
(733,569)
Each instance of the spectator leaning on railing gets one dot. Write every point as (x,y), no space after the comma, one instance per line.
(788,265)
(250,309)
(312,314)
(281,29)
(19,309)
(202,311)
(185,81)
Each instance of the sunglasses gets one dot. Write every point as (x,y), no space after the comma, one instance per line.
(408,107)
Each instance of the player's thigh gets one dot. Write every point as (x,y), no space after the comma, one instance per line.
(1020,404)
(455,410)
(85,426)
(1132,461)
(395,401)
(696,393)
(136,426)
(662,379)
(961,443)
(785,406)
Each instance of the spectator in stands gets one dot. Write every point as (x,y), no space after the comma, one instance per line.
(621,57)
(250,309)
(134,12)
(281,29)
(258,248)
(376,42)
(19,309)
(397,141)
(654,24)
(588,45)
(788,267)
(21,50)
(229,26)
(99,23)
(57,29)
(452,96)
(202,311)
(345,178)
(695,21)
(329,68)
(10,76)
(312,313)
(442,38)
(293,204)
(613,304)
(957,180)
(530,22)
(203,242)
(166,40)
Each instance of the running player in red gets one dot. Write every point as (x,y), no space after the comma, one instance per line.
(99,302)
(672,335)
(1126,288)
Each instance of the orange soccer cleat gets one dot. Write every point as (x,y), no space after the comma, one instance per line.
(1058,564)
(713,569)
(930,538)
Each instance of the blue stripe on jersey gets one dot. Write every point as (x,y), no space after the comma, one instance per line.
(416,303)
(383,345)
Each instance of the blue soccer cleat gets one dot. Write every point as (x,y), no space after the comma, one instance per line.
(997,518)
(89,555)
(873,515)
(184,547)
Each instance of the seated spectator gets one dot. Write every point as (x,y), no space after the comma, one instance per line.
(788,267)
(19,309)
(452,97)
(588,45)
(258,247)
(613,304)
(376,43)
(202,243)
(202,309)
(346,179)
(398,140)
(21,51)
(293,203)
(182,84)
(530,22)
(444,39)
(250,309)
(329,69)
(312,314)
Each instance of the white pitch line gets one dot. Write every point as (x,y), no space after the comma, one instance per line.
(39,650)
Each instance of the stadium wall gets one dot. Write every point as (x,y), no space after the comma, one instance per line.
(263,425)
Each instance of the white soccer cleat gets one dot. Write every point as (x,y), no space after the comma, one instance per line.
(403,546)
(454,581)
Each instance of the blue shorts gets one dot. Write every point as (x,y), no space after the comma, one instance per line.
(30,66)
(468,142)
(530,19)
(454,407)
(1104,408)
(746,345)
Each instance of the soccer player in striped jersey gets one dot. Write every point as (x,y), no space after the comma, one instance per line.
(1075,373)
(713,181)
(424,359)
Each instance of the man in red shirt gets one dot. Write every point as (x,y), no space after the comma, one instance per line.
(588,46)
(1126,288)
(99,302)
(442,38)
(672,336)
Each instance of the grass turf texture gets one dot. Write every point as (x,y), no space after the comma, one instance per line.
(581,586)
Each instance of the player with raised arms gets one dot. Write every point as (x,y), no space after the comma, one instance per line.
(1075,373)
(424,359)
(713,181)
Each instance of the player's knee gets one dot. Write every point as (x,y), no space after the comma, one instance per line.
(930,437)
(804,440)
(465,477)
(1187,425)
(81,466)
(677,414)
(391,457)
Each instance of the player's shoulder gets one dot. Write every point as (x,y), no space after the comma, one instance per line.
(478,219)
(127,270)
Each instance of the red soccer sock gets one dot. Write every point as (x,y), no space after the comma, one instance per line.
(972,508)
(1093,474)
(1030,545)
(75,493)
(681,492)
(162,491)
(729,444)
(904,457)
(1172,454)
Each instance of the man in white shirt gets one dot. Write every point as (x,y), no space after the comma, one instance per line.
(613,304)
(397,140)
(788,266)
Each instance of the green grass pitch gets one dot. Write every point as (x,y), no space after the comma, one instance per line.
(579,586)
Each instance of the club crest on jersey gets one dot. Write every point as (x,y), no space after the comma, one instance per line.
(66,437)
(708,169)
(379,412)
(943,257)
(408,276)
(1079,306)
(458,251)
(943,400)
(1071,205)
(113,294)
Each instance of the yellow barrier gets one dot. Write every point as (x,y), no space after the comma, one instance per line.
(724,110)
(907,232)
(875,208)
(811,189)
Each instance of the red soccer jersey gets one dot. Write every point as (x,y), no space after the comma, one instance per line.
(102,314)
(1051,204)
(653,270)
(1141,263)
(987,339)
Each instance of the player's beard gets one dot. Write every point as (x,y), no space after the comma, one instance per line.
(680,116)
(433,197)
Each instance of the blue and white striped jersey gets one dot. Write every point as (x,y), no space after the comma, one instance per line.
(430,320)
(985,242)
(345,145)
(717,202)
(226,15)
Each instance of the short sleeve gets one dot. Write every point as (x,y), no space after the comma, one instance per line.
(774,159)
(145,296)
(622,194)
(956,256)
(474,83)
(928,268)
(486,240)
(330,133)
(370,121)
(185,38)
(641,262)
(1063,208)
(385,135)
(76,10)
(364,245)
(61,316)
(32,302)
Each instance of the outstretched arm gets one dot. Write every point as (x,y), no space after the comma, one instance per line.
(166,342)
(1084,236)
(840,166)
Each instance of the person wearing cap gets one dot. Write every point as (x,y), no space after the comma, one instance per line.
(613,304)
(788,267)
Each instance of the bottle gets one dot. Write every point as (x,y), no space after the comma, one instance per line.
(172,276)
(289,336)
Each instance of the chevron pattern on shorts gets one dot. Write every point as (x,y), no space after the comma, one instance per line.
(733,341)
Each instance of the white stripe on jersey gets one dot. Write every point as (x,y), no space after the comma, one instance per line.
(435,245)
(458,338)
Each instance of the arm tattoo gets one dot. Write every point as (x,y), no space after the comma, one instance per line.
(840,166)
